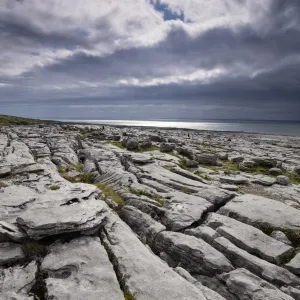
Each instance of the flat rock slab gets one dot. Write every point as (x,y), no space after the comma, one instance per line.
(294,265)
(195,255)
(264,180)
(145,276)
(80,268)
(250,238)
(73,208)
(247,286)
(10,253)
(183,210)
(262,212)
(234,179)
(17,281)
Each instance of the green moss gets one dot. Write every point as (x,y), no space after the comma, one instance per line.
(151,148)
(294,178)
(108,192)
(294,237)
(231,166)
(203,175)
(12,120)
(118,144)
(34,250)
(54,187)
(140,192)
(83,178)
(182,164)
(160,201)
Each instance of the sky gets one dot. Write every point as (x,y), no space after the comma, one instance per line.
(150,59)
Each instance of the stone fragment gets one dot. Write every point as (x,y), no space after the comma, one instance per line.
(280,236)
(264,180)
(275,171)
(192,164)
(234,179)
(132,144)
(207,159)
(166,147)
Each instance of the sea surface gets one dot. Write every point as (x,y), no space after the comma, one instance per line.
(267,127)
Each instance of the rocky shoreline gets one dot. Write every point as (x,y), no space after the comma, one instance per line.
(110,212)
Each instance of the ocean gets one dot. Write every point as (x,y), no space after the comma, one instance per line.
(265,127)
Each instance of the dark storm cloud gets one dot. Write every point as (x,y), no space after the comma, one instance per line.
(222,65)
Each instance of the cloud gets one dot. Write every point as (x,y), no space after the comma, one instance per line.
(231,56)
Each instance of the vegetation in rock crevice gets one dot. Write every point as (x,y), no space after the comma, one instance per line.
(110,193)
(145,193)
(81,177)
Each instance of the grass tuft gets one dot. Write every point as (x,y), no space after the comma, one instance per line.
(54,187)
(108,192)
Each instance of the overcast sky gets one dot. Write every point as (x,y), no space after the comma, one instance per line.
(150,59)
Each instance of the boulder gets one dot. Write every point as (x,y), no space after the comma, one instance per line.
(281,237)
(166,147)
(223,155)
(247,286)
(236,158)
(155,138)
(207,159)
(132,144)
(275,171)
(297,170)
(80,268)
(247,165)
(192,164)
(185,152)
(146,144)
(265,162)
(283,180)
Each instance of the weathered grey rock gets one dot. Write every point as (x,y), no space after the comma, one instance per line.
(297,170)
(132,144)
(242,259)
(80,269)
(207,159)
(182,210)
(4,171)
(66,210)
(236,158)
(280,236)
(10,253)
(17,281)
(264,180)
(223,155)
(146,144)
(89,166)
(293,292)
(155,138)
(263,212)
(283,180)
(142,224)
(166,147)
(208,293)
(265,161)
(247,165)
(187,174)
(185,152)
(192,164)
(294,265)
(10,232)
(203,232)
(275,171)
(144,275)
(250,238)
(247,286)
(229,187)
(234,179)
(195,255)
